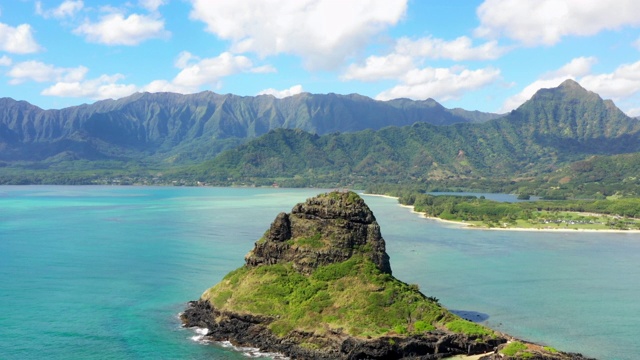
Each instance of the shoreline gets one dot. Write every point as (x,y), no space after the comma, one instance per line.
(466,226)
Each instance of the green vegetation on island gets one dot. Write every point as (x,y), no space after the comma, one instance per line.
(352,295)
(607,214)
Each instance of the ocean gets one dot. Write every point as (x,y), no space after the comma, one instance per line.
(89,272)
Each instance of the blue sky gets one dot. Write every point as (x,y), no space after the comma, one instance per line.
(489,55)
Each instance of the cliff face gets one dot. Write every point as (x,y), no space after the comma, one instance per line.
(323,230)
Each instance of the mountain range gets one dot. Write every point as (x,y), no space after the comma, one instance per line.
(555,127)
(552,141)
(182,128)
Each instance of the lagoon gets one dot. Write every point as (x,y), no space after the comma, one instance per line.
(102,272)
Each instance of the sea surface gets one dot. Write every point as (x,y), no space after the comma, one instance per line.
(91,272)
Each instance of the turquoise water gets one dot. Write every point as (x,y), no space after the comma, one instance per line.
(102,272)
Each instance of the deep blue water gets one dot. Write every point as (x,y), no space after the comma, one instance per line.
(102,272)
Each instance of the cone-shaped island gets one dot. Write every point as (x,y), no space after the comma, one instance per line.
(318,285)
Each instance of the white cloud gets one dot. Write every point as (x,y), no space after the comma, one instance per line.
(535,22)
(576,67)
(17,40)
(634,112)
(299,27)
(294,90)
(67,8)
(264,69)
(459,49)
(103,87)
(375,68)
(152,5)
(69,82)
(115,29)
(167,86)
(407,53)
(211,70)
(40,72)
(440,83)
(196,72)
(622,83)
(5,61)
(184,59)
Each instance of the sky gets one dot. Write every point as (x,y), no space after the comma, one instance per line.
(489,55)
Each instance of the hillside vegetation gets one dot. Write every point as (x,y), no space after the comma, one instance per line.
(555,128)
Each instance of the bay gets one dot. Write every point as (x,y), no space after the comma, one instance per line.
(102,272)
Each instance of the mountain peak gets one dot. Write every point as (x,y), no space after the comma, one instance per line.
(570,84)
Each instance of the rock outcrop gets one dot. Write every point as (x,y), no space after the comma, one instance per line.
(318,285)
(332,227)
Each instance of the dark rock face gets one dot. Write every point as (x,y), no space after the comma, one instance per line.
(342,221)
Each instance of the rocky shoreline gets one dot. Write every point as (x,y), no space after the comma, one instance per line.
(250,330)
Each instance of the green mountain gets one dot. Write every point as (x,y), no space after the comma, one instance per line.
(555,127)
(174,128)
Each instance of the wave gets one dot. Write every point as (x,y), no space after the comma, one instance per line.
(250,352)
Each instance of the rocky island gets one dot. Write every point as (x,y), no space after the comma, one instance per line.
(319,285)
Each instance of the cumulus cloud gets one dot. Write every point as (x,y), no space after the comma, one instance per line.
(184,59)
(576,67)
(17,40)
(69,82)
(103,87)
(211,70)
(67,8)
(196,72)
(299,27)
(535,22)
(5,61)
(116,29)
(40,72)
(622,83)
(440,83)
(376,68)
(294,90)
(459,49)
(407,53)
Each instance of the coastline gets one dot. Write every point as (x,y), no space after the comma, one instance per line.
(467,226)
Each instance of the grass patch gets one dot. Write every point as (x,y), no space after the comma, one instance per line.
(352,295)
(468,328)
(513,348)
